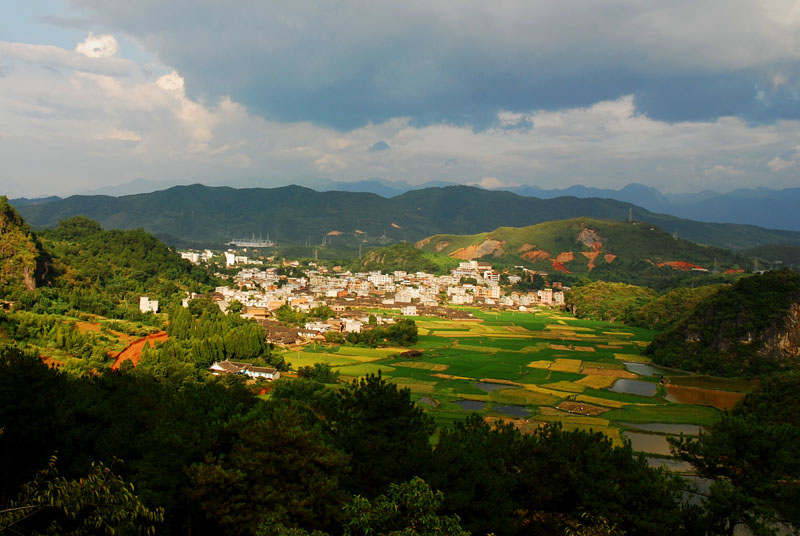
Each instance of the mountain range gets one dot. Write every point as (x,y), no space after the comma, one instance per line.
(213,215)
(765,207)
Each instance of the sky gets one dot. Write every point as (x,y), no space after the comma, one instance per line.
(681,95)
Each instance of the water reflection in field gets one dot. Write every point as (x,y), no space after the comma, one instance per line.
(634,387)
(653,443)
(471,405)
(704,397)
(489,387)
(644,369)
(662,428)
(512,411)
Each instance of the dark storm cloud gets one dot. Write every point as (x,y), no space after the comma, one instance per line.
(345,64)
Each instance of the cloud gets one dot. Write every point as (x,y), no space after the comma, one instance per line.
(491,182)
(96,121)
(100,46)
(778,164)
(348,64)
(718,170)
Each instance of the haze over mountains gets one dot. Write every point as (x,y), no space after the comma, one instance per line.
(203,214)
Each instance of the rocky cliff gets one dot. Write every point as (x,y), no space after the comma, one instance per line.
(749,328)
(23,262)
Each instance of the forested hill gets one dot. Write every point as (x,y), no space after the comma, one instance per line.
(749,328)
(295,214)
(23,262)
(103,272)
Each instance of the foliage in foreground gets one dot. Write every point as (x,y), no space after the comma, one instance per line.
(750,457)
(99,503)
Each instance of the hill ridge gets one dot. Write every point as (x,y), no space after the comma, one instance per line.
(296,214)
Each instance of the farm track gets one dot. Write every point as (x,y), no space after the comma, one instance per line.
(134,350)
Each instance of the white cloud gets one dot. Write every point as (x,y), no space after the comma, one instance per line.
(98,46)
(491,182)
(172,82)
(106,120)
(719,169)
(122,135)
(778,164)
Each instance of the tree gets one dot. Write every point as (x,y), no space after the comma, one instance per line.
(406,509)
(99,503)
(235,307)
(276,470)
(755,473)
(402,333)
(384,432)
(320,372)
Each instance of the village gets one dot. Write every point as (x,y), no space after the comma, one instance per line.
(354,297)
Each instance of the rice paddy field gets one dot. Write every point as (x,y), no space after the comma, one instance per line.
(537,367)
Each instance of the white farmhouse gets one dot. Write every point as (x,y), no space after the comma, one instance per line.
(146,305)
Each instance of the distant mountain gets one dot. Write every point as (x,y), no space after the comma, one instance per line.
(604,249)
(775,255)
(775,209)
(203,214)
(136,186)
(24,201)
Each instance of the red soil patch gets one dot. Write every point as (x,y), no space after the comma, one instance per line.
(487,247)
(609,257)
(591,255)
(558,262)
(134,350)
(536,255)
(679,265)
(590,239)
(526,247)
(441,245)
(734,271)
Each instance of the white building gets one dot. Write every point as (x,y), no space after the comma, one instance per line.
(190,256)
(146,305)
(409,310)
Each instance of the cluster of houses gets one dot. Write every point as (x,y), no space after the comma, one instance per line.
(262,292)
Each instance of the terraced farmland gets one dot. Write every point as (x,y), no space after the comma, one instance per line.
(533,368)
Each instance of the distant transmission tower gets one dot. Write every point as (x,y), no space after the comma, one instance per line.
(630,215)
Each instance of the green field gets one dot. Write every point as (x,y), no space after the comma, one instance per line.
(525,367)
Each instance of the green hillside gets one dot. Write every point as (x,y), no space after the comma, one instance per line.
(103,272)
(775,255)
(601,249)
(405,257)
(23,262)
(205,215)
(749,328)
